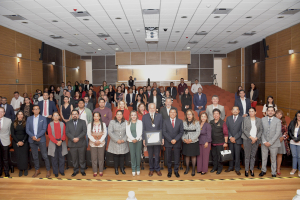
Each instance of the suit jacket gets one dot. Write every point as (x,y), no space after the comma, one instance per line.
(72,93)
(238,103)
(246,128)
(157,90)
(146,94)
(128,99)
(164,112)
(201,102)
(90,106)
(9,112)
(171,133)
(80,133)
(108,105)
(158,101)
(51,108)
(147,124)
(30,108)
(42,128)
(5,131)
(255,95)
(271,133)
(235,129)
(209,112)
(174,92)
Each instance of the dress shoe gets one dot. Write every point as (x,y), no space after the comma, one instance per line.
(246,174)
(56,175)
(116,171)
(48,174)
(94,175)
(37,172)
(238,173)
(262,174)
(193,172)
(20,173)
(74,174)
(7,175)
(203,173)
(273,175)
(169,174)
(83,173)
(228,170)
(199,172)
(62,174)
(26,172)
(138,173)
(212,171)
(252,173)
(100,174)
(150,173)
(123,170)
(159,173)
(177,175)
(133,173)
(219,172)
(187,170)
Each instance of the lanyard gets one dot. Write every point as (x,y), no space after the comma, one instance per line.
(81,112)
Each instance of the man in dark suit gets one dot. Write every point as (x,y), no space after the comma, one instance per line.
(86,85)
(234,125)
(36,126)
(243,103)
(200,101)
(148,93)
(155,88)
(153,122)
(92,88)
(87,103)
(165,111)
(172,132)
(156,99)
(173,90)
(130,98)
(76,130)
(72,92)
(9,110)
(49,105)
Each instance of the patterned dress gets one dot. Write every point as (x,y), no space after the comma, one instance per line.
(117,131)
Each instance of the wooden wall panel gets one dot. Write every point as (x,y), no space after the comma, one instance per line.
(284,42)
(296,38)
(295,95)
(271,66)
(270,90)
(283,94)
(35,45)
(168,57)
(36,72)
(72,62)
(152,58)
(283,68)
(23,45)
(138,58)
(183,57)
(295,66)
(7,42)
(271,41)
(123,58)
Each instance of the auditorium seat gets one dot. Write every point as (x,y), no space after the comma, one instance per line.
(259,112)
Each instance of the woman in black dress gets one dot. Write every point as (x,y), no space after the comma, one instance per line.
(111,93)
(27,107)
(92,98)
(76,86)
(20,142)
(118,95)
(186,100)
(66,110)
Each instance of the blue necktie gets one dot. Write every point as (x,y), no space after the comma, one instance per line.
(269,122)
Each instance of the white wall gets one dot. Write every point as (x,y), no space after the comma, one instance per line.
(218,70)
(89,72)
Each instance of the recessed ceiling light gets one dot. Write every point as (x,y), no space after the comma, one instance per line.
(54,21)
(207,6)
(99,49)
(173,41)
(280,17)
(25,22)
(89,43)
(130,42)
(249,17)
(118,18)
(126,33)
(177,31)
(76,34)
(205,47)
(86,19)
(188,47)
(228,31)
(217,17)
(117,48)
(184,17)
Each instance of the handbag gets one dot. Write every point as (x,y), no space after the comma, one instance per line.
(225,156)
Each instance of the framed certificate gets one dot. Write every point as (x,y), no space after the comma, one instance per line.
(153,138)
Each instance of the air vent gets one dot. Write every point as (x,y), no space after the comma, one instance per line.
(72,45)
(111,43)
(15,17)
(221,11)
(56,37)
(216,50)
(289,12)
(249,33)
(232,42)
(201,33)
(193,42)
(80,14)
(102,35)
(150,11)
(90,52)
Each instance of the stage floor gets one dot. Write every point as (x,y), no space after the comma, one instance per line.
(111,186)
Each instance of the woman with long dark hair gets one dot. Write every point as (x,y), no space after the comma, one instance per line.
(92,98)
(186,100)
(253,95)
(141,92)
(111,93)
(270,102)
(294,137)
(51,89)
(76,86)
(27,107)
(119,96)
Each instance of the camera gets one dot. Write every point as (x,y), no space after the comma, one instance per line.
(35,98)
(165,29)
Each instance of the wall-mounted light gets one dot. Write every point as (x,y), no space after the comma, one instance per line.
(254,61)
(228,66)
(77,67)
(291,51)
(19,55)
(52,63)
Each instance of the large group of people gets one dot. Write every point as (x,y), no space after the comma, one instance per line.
(84,118)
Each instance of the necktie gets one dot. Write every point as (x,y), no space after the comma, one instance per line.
(148,94)
(269,122)
(75,124)
(234,119)
(85,104)
(173,123)
(45,108)
(152,119)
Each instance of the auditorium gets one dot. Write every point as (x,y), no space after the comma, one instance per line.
(144,100)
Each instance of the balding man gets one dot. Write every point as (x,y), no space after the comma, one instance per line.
(199,101)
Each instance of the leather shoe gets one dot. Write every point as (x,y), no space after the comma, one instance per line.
(159,173)
(56,175)
(48,174)
(37,172)
(193,172)
(6,174)
(246,174)
(262,174)
(219,172)
(238,173)
(62,174)
(177,174)
(273,175)
(26,172)
(187,170)
(116,171)
(123,171)
(203,173)
(212,171)
(252,173)
(83,173)
(74,174)
(228,170)
(20,173)
(150,173)
(169,174)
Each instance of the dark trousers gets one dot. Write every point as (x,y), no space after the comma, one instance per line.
(235,152)
(176,158)
(4,158)
(78,153)
(119,160)
(58,161)
(203,158)
(215,152)
(154,150)
(22,155)
(35,154)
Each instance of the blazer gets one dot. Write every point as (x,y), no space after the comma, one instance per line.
(255,95)
(238,103)
(117,131)
(128,99)
(235,129)
(79,132)
(209,112)
(139,131)
(5,131)
(246,128)
(90,106)
(42,128)
(171,133)
(9,112)
(271,133)
(72,93)
(201,102)
(174,92)
(147,124)
(205,134)
(51,107)
(164,112)
(186,101)
(30,108)
(108,105)
(291,131)
(158,101)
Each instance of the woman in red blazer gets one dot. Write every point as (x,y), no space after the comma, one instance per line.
(122,106)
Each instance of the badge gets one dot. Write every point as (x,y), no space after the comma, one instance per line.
(153,125)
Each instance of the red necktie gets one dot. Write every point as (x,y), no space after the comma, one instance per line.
(148,94)
(173,123)
(45,108)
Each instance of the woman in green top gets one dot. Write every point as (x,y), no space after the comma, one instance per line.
(105,86)
(134,130)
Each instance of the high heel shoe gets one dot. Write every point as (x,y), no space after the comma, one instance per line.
(95,174)
(246,174)
(187,170)
(100,174)
(292,173)
(123,171)
(252,173)
(20,173)
(116,171)
(193,172)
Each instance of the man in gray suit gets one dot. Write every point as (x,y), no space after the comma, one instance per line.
(88,104)
(76,130)
(270,140)
(234,125)
(166,110)
(215,104)
(5,125)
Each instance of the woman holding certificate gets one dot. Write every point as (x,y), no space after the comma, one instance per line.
(96,131)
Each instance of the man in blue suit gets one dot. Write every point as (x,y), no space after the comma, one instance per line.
(36,127)
(200,101)
(173,90)
(9,110)
(50,107)
(130,98)
(243,103)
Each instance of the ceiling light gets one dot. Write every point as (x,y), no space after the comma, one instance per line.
(76,34)
(173,41)
(193,42)
(25,22)
(89,43)
(217,17)
(99,49)
(19,55)
(177,31)
(201,33)
(221,11)
(249,17)
(80,14)
(184,17)
(86,19)
(232,42)
(280,17)
(126,33)
(103,35)
(15,17)
(249,34)
(228,31)
(188,47)
(207,6)
(117,48)
(72,44)
(118,18)
(289,12)
(56,37)
(54,21)
(291,51)
(130,42)
(254,61)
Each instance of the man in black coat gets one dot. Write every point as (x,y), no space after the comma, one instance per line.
(243,103)
(9,110)
(173,90)
(165,111)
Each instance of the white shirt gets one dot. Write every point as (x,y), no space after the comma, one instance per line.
(253,130)
(168,110)
(154,100)
(171,90)
(130,98)
(244,105)
(265,107)
(1,121)
(96,129)
(83,116)
(214,106)
(195,87)
(16,102)
(47,108)
(291,141)
(172,120)
(35,124)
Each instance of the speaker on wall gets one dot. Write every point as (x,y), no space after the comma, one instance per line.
(41,51)
(266,48)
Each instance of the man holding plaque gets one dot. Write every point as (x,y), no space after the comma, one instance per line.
(172,132)
(152,128)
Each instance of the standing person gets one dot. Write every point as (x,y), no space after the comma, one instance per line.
(219,136)
(148,94)
(165,111)
(173,90)
(27,107)
(284,145)
(162,93)
(215,104)
(76,131)
(237,94)
(134,90)
(253,95)
(66,110)
(156,99)
(243,103)
(70,89)
(122,106)
(124,91)
(294,137)
(186,100)
(139,99)
(155,88)
(182,85)
(153,122)
(130,82)
(106,114)
(134,132)
(57,147)
(204,144)
(76,98)
(20,142)
(81,92)
(5,131)
(118,95)
(97,133)
(36,126)
(92,98)
(200,101)
(190,140)
(9,110)
(234,125)
(17,101)
(141,111)
(142,94)
(105,86)
(270,102)
(173,131)
(118,145)
(47,107)
(57,95)
(130,98)
(195,86)
(111,94)
(167,95)
(251,134)
(107,104)
(270,141)
(88,104)
(51,98)
(76,86)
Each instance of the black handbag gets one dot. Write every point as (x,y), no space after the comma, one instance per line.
(225,156)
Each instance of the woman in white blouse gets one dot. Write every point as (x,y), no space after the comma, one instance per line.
(270,102)
(96,131)
(134,131)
